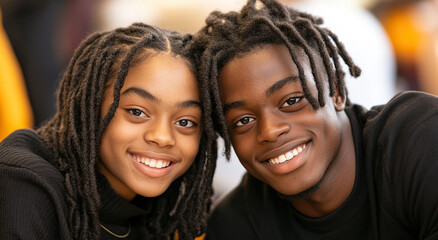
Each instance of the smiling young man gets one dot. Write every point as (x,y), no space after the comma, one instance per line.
(318,166)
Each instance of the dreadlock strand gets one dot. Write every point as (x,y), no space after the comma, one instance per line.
(218,104)
(262,19)
(277,10)
(340,74)
(354,70)
(316,35)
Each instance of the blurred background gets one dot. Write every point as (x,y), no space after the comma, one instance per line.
(395,42)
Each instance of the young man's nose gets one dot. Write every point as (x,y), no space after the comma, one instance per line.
(160,132)
(271,127)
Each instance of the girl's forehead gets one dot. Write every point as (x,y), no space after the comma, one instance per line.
(165,74)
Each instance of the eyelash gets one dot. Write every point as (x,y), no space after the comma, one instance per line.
(189,122)
(132,110)
(250,119)
(239,122)
(179,123)
(297,99)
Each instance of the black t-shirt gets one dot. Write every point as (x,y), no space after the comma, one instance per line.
(395,195)
(32,196)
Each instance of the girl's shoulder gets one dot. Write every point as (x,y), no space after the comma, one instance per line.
(25,157)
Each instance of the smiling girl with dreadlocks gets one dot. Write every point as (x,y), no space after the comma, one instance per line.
(128,155)
(319,167)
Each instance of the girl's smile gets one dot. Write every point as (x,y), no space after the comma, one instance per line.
(154,135)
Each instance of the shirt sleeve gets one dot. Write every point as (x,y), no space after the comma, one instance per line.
(229,220)
(422,178)
(411,150)
(29,206)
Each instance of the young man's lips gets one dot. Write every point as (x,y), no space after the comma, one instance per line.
(287,155)
(288,161)
(286,150)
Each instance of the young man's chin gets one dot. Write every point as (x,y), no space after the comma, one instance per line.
(304,195)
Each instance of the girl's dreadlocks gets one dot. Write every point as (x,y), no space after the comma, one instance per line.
(75,132)
(233,34)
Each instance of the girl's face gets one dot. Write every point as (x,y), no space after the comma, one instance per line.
(154,135)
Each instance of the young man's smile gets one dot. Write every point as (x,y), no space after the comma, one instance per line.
(276,133)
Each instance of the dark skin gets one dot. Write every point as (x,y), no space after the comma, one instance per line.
(278,136)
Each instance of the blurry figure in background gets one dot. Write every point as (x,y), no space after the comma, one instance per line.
(15,110)
(412,26)
(183,16)
(43,38)
(367,42)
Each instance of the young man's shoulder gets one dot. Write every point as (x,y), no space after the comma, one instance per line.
(402,119)
(400,139)
(405,106)
(229,218)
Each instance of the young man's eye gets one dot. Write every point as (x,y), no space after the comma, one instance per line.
(291,101)
(185,123)
(136,112)
(243,121)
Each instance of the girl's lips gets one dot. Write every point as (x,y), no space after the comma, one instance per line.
(154,163)
(152,167)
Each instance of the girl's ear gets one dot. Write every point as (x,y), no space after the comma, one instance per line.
(339,101)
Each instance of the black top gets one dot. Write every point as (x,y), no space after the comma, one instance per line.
(395,194)
(32,196)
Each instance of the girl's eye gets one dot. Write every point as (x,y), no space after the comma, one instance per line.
(136,112)
(185,123)
(243,121)
(291,101)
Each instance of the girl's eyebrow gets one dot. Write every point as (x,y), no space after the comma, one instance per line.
(147,95)
(140,92)
(279,84)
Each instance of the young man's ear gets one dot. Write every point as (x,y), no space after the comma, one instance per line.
(339,101)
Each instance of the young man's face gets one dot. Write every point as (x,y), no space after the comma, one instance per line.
(277,135)
(154,135)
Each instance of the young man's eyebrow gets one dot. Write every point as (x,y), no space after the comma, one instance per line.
(189,103)
(236,104)
(278,85)
(140,92)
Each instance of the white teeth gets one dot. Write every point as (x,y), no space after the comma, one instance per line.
(287,156)
(282,158)
(159,164)
(295,152)
(154,163)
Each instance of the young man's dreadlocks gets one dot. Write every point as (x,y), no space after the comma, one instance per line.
(233,34)
(75,132)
